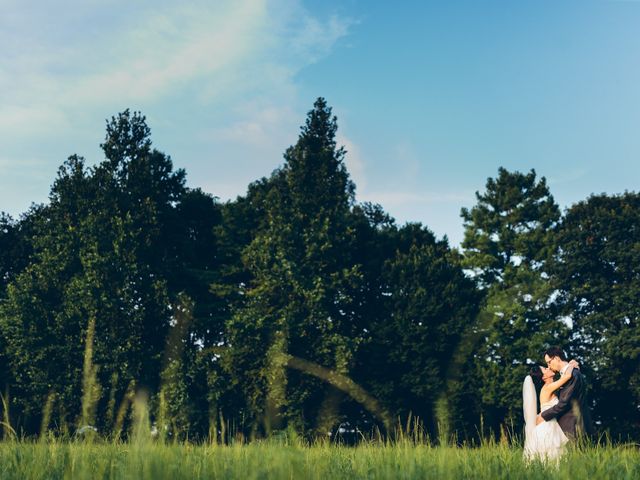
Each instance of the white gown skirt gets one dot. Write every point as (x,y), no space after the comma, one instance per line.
(547,440)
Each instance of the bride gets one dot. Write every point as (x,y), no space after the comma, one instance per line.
(547,440)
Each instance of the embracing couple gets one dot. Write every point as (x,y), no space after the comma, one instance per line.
(564,414)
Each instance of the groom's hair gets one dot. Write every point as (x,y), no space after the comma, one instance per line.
(556,352)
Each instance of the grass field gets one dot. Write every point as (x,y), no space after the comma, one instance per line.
(262,460)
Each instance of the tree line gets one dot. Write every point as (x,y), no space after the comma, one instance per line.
(296,307)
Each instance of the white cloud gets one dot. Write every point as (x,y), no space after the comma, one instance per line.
(216,48)
(396,198)
(259,124)
(163,50)
(316,39)
(438,210)
(219,77)
(407,162)
(354,162)
(32,119)
(569,176)
(172,49)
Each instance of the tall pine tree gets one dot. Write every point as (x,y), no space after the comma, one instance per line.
(300,300)
(102,254)
(596,270)
(506,246)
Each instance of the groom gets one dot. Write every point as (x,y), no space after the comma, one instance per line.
(571,411)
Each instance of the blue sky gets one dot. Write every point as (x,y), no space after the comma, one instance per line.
(431,96)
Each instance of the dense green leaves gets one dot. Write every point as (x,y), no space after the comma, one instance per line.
(295,307)
(597,273)
(299,299)
(426,304)
(506,246)
(102,252)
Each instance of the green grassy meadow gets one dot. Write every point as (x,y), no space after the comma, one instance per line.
(262,460)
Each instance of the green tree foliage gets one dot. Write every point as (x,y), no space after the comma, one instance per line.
(241,220)
(9,240)
(177,410)
(426,304)
(37,327)
(294,307)
(299,301)
(11,261)
(199,314)
(506,246)
(597,272)
(100,252)
(16,244)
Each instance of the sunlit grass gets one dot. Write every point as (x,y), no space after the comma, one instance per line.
(406,453)
(285,459)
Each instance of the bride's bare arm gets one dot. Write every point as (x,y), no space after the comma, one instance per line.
(552,387)
(548,389)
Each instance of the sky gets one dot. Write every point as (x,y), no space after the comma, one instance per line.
(432,97)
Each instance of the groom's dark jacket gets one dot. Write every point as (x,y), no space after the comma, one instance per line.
(572,411)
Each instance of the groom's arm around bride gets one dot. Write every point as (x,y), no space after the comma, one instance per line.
(571,410)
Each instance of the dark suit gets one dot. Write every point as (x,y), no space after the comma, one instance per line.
(572,411)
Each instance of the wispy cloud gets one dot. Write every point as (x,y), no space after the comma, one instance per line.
(219,72)
(569,176)
(439,210)
(397,198)
(152,53)
(354,162)
(165,49)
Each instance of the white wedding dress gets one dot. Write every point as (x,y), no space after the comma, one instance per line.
(547,441)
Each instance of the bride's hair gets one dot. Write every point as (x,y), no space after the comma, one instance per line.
(535,372)
(536,376)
